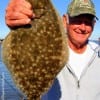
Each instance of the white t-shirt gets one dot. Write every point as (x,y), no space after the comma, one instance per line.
(79,61)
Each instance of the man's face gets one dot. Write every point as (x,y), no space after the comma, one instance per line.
(80,28)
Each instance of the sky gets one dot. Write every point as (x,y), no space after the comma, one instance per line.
(60,5)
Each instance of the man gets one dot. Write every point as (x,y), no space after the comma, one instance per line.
(80,78)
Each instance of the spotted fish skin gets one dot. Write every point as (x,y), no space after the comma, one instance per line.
(36,53)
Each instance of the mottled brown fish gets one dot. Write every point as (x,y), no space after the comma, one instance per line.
(36,53)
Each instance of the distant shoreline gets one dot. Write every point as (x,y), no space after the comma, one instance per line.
(1,40)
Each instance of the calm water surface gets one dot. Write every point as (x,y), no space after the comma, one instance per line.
(8,90)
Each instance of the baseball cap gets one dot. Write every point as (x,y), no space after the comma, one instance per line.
(78,7)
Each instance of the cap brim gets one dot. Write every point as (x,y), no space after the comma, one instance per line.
(77,14)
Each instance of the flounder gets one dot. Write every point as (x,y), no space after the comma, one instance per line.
(34,54)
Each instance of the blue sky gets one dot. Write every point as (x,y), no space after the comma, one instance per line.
(60,5)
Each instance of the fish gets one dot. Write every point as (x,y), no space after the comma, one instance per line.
(35,53)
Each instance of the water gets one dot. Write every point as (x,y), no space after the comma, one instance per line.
(8,90)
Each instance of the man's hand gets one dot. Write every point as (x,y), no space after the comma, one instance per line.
(18,12)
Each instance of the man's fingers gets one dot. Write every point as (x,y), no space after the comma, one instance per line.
(18,12)
(13,23)
(22,6)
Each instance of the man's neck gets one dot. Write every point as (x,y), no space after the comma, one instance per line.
(77,48)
